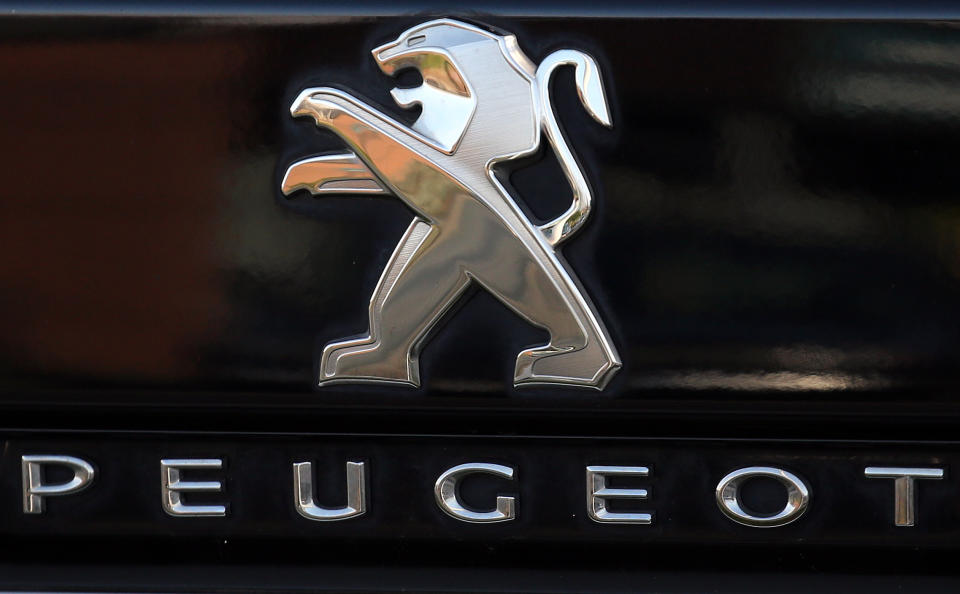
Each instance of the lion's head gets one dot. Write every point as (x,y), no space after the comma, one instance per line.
(470,75)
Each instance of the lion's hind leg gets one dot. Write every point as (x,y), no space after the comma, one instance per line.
(533,283)
(587,364)
(419,284)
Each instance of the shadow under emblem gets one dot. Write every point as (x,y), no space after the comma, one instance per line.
(483,102)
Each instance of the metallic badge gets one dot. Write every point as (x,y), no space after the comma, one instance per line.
(483,103)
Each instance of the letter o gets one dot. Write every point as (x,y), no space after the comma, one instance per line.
(728,497)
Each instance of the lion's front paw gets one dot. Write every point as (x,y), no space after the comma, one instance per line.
(322,104)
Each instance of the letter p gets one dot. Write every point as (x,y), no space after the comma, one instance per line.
(35,489)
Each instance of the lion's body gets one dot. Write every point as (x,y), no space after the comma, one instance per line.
(468,228)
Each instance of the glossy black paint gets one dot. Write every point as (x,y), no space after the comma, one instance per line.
(775,210)
(305,9)
(774,248)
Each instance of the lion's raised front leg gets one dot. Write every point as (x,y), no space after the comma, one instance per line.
(343,173)
(419,284)
(402,160)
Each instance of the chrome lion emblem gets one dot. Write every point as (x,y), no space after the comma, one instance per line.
(483,103)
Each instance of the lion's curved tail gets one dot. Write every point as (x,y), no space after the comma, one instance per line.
(590,91)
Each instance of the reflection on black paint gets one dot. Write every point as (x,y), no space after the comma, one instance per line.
(777,209)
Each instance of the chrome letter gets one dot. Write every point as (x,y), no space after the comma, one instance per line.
(34,489)
(172,486)
(728,497)
(904,495)
(303,494)
(598,493)
(445,491)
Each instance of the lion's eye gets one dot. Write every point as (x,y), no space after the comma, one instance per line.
(416,40)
